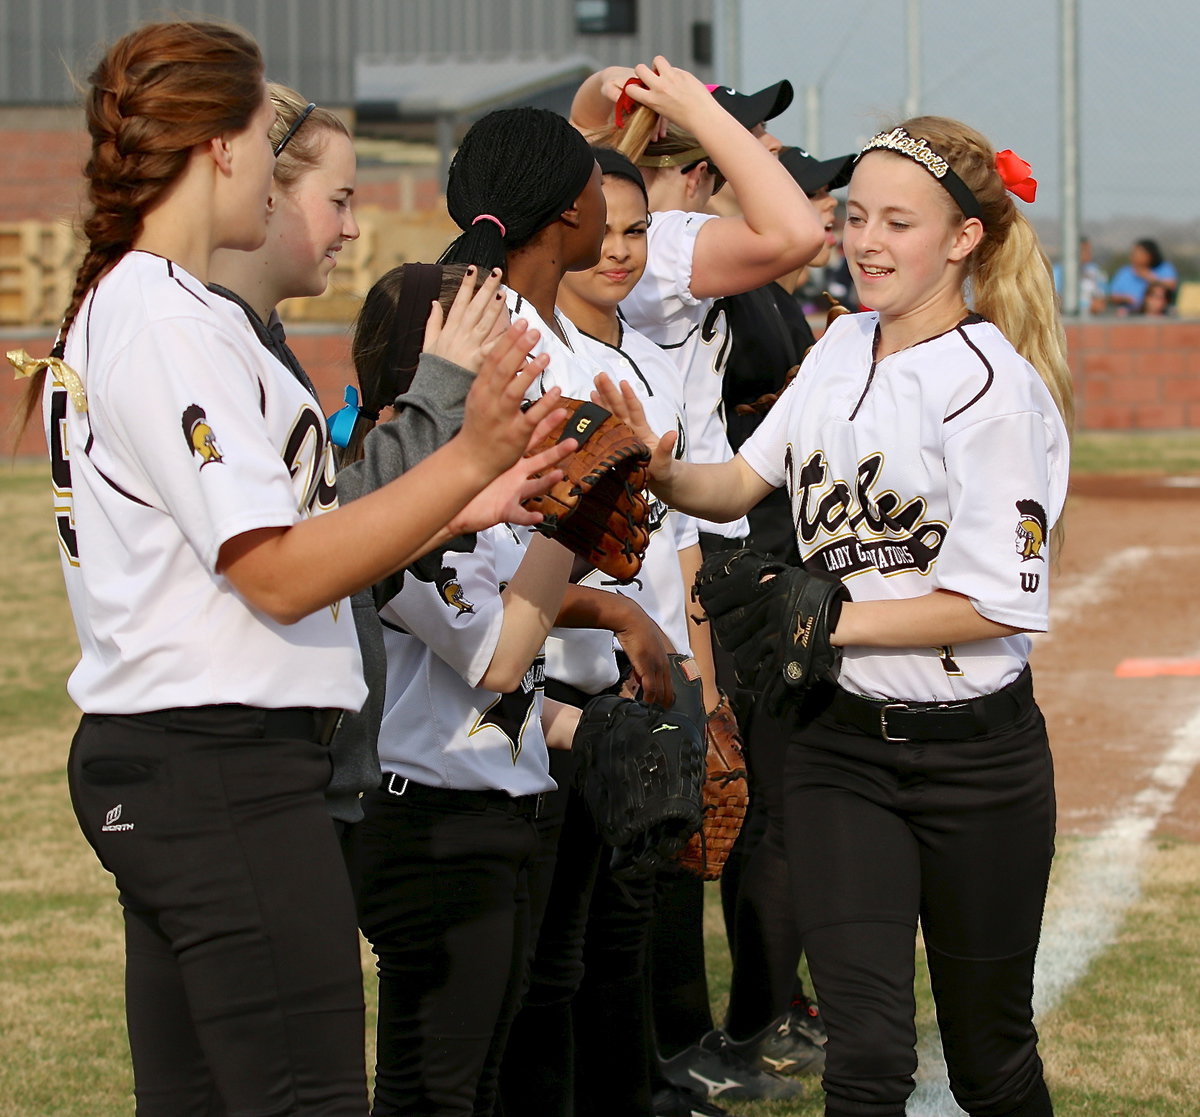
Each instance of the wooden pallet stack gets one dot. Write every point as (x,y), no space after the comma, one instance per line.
(38,260)
(386,239)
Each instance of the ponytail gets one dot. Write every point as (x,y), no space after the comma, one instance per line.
(1014,288)
(516,171)
(1011,277)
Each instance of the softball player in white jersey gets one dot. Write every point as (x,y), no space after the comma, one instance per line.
(207,572)
(443,854)
(925,450)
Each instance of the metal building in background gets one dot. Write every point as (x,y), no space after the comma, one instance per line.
(315,45)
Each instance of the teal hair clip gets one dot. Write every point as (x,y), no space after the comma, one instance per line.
(341,423)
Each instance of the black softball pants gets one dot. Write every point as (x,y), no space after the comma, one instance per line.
(243,980)
(764,942)
(443,897)
(958,835)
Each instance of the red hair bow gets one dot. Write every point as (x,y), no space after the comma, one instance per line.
(1014,173)
(625,103)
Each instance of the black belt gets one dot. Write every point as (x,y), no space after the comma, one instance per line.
(297,723)
(567,694)
(451,798)
(934,721)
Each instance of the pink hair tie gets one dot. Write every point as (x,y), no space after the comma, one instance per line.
(495,221)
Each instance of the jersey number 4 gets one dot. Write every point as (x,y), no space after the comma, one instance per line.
(60,476)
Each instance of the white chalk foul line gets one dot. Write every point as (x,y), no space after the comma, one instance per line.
(1089,895)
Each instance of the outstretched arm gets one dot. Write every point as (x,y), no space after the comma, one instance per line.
(720,493)
(640,638)
(531,600)
(476,480)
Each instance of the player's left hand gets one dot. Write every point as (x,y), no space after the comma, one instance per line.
(496,430)
(500,502)
(623,402)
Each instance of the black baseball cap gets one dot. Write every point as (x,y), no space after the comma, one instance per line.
(753,109)
(814,174)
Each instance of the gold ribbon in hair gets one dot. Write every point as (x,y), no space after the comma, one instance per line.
(692,155)
(28,367)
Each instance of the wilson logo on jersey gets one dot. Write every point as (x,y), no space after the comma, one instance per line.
(200,435)
(907,540)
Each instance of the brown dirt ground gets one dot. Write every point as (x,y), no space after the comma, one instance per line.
(1107,733)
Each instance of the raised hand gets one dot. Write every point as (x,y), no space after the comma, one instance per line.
(674,94)
(623,402)
(501,501)
(495,427)
(476,317)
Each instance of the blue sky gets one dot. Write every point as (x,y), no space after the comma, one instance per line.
(996,67)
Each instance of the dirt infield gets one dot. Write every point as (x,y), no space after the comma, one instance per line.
(1125,588)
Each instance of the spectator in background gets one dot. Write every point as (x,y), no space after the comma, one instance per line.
(1157,301)
(1092,281)
(1146,265)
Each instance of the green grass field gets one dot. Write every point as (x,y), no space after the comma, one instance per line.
(1124,1043)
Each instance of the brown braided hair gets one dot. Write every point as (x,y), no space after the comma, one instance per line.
(155,95)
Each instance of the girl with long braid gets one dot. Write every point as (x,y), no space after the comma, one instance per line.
(208,572)
(915,441)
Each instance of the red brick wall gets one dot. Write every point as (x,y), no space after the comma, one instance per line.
(43,173)
(1129,375)
(1136,375)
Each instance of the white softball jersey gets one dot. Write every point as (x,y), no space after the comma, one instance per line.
(692,332)
(659,587)
(581,657)
(440,727)
(943,466)
(193,434)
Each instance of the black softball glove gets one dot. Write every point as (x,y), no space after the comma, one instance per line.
(773,619)
(640,772)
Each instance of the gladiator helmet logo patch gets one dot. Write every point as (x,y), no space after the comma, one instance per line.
(452,591)
(1032,530)
(200,435)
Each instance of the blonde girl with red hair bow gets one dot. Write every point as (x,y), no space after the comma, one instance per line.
(914,441)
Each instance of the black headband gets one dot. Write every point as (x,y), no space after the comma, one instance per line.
(287,136)
(612,162)
(919,151)
(420,286)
